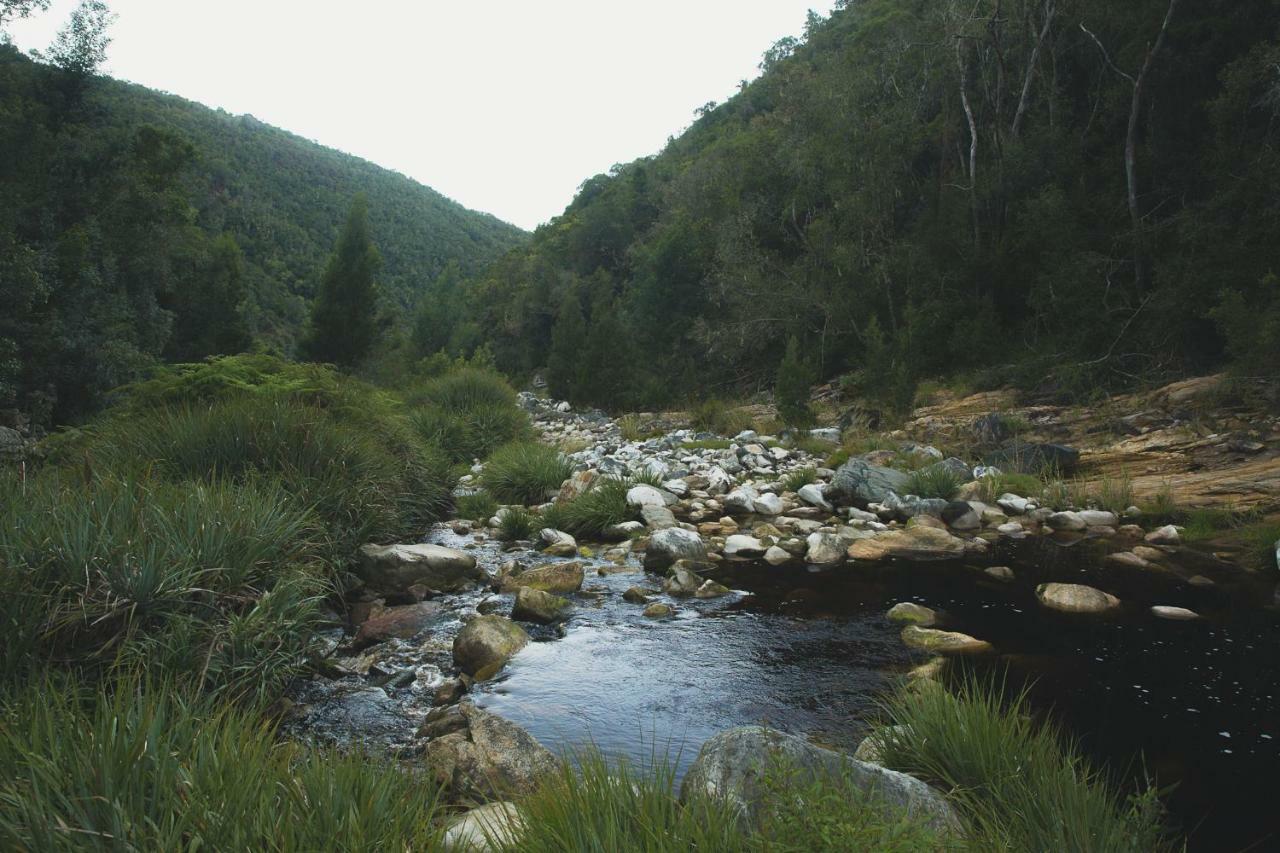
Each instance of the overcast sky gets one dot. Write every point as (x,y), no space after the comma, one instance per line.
(504,105)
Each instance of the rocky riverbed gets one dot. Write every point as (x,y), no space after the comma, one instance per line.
(743,594)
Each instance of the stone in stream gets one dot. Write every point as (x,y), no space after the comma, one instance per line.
(1067,522)
(1167,535)
(732,768)
(485,644)
(912,614)
(1076,598)
(683,581)
(657,517)
(669,546)
(1128,559)
(960,515)
(943,642)
(395,568)
(1013,504)
(711,589)
(474,755)
(558,543)
(746,547)
(776,556)
(859,482)
(622,530)
(396,622)
(636,595)
(1175,614)
(491,827)
(658,610)
(911,543)
(550,577)
(534,605)
(825,548)
(814,494)
(1000,573)
(1098,518)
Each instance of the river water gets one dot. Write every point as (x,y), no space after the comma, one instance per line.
(1192,704)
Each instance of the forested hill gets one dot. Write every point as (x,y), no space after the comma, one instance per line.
(123,209)
(921,188)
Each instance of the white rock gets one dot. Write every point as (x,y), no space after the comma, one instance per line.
(490,827)
(815,494)
(768,504)
(824,549)
(1177,614)
(1069,521)
(642,495)
(775,556)
(1167,535)
(1013,504)
(741,545)
(741,501)
(1099,518)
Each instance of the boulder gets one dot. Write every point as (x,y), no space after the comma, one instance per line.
(683,581)
(776,556)
(666,547)
(394,568)
(911,543)
(624,530)
(534,605)
(741,501)
(711,589)
(912,506)
(1168,535)
(768,504)
(487,829)
(732,767)
(741,545)
(1099,518)
(1013,504)
(577,485)
(657,517)
(474,755)
(485,644)
(1175,614)
(658,610)
(1068,522)
(1128,559)
(550,577)
(396,622)
(636,595)
(1028,458)
(960,515)
(912,614)
(1000,573)
(557,543)
(642,496)
(859,482)
(1076,598)
(825,548)
(943,642)
(815,494)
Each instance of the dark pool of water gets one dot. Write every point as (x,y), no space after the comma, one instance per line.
(1192,704)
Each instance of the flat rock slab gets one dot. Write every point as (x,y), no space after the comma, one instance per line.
(550,577)
(943,642)
(1076,598)
(912,543)
(395,568)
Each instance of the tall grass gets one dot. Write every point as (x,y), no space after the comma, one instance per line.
(717,416)
(478,506)
(1020,784)
(467,414)
(516,522)
(525,473)
(936,481)
(798,479)
(145,769)
(601,506)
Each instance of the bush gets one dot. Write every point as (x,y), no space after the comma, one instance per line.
(214,583)
(478,506)
(516,522)
(991,487)
(797,480)
(717,416)
(791,389)
(632,428)
(466,436)
(144,769)
(464,390)
(525,473)
(1021,786)
(601,506)
(935,481)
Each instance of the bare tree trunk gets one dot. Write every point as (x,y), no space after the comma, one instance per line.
(1049,9)
(973,142)
(1131,138)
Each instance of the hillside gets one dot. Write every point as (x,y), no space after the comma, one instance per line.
(124,212)
(922,189)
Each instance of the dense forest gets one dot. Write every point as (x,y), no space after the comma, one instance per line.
(136,226)
(1068,194)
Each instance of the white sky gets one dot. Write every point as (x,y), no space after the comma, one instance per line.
(504,106)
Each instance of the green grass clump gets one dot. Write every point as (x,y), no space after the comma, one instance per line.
(708,444)
(601,506)
(472,434)
(646,477)
(634,428)
(717,416)
(1114,494)
(213,583)
(936,481)
(525,473)
(145,769)
(991,487)
(464,390)
(1019,784)
(477,506)
(1162,507)
(516,522)
(858,445)
(796,480)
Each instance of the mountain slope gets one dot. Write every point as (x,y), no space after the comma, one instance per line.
(923,188)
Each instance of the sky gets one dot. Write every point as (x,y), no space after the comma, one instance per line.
(506,106)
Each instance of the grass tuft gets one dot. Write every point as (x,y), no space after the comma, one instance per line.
(796,480)
(717,416)
(525,473)
(516,522)
(936,481)
(478,506)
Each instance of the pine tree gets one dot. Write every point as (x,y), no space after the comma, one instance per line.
(343,321)
(568,337)
(791,391)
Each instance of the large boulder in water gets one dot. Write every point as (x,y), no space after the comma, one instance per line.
(558,578)
(485,644)
(668,546)
(395,568)
(858,482)
(1076,598)
(534,605)
(732,767)
(474,755)
(396,623)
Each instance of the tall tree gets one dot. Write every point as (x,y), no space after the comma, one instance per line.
(568,338)
(81,45)
(210,310)
(343,322)
(14,9)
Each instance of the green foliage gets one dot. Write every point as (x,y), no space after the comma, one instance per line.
(791,388)
(565,367)
(144,769)
(525,473)
(992,486)
(213,584)
(708,444)
(1162,507)
(796,480)
(601,506)
(477,506)
(516,522)
(934,481)
(632,428)
(210,309)
(1020,785)
(342,324)
(717,416)
(1251,327)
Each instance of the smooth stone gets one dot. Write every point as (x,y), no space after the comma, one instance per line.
(859,482)
(741,545)
(1070,522)
(1167,535)
(731,768)
(636,595)
(825,548)
(776,556)
(1076,598)
(549,577)
(960,515)
(1176,614)
(943,642)
(1000,573)
(711,589)
(1098,518)
(642,496)
(658,610)
(913,543)
(741,501)
(395,568)
(768,504)
(814,494)
(1013,504)
(1148,553)
(491,827)
(534,605)
(657,517)
(485,644)
(1127,558)
(667,547)
(683,581)
(1201,580)
(912,614)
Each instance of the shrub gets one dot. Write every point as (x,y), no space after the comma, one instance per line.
(213,583)
(601,506)
(936,481)
(717,416)
(464,390)
(1021,786)
(791,388)
(1113,493)
(797,480)
(525,473)
(144,769)
(477,506)
(465,436)
(516,522)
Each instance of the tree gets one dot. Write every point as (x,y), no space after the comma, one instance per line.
(791,390)
(81,45)
(568,338)
(11,10)
(210,310)
(343,321)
